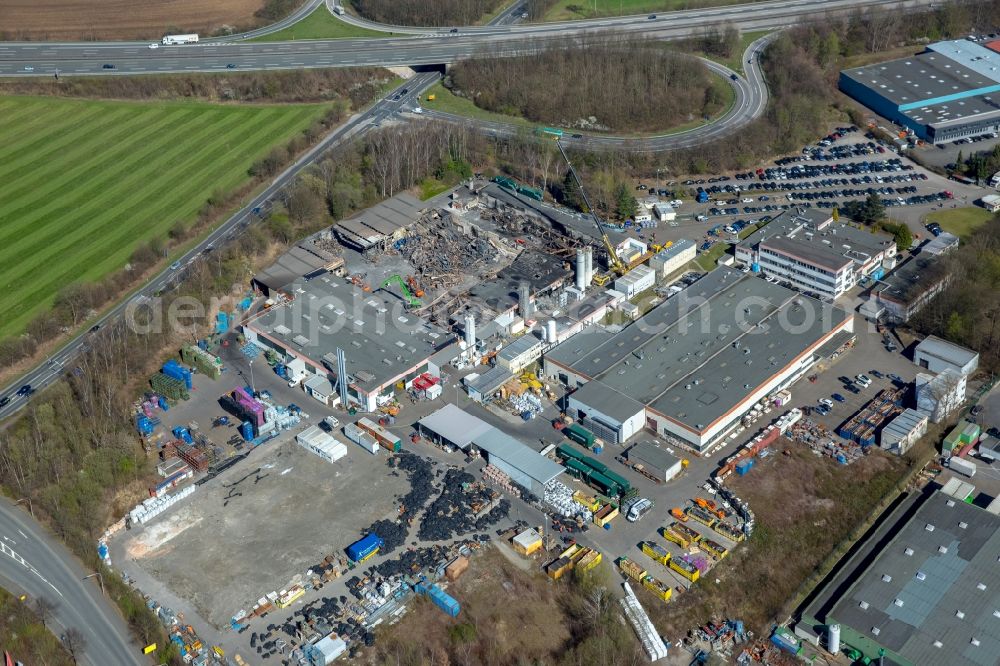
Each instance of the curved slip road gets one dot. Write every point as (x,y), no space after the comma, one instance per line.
(750,104)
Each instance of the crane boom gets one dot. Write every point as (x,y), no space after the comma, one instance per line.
(614,262)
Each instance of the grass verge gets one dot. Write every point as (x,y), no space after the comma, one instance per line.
(448,102)
(26,637)
(575,9)
(85,182)
(960,221)
(321,24)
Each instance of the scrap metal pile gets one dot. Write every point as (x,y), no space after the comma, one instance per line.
(819,439)
(455,510)
(527,229)
(441,255)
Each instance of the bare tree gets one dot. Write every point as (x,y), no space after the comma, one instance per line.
(44,608)
(75,642)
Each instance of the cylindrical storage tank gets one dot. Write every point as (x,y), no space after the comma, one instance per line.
(588,263)
(470,331)
(581,270)
(550,331)
(833,639)
(524,299)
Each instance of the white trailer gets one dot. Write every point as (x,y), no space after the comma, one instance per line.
(170,40)
(962,466)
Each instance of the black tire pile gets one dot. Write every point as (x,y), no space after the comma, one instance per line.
(451,513)
(419,474)
(412,561)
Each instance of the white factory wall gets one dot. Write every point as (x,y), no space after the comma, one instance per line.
(626,429)
(674,264)
(637,280)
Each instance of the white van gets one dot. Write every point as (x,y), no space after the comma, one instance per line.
(639,509)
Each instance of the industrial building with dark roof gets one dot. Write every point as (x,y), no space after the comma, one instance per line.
(925,589)
(692,366)
(950,91)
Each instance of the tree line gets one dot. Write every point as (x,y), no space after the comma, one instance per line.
(354,85)
(613,84)
(420,12)
(968,310)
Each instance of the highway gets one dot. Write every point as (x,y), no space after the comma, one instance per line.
(35,563)
(120,58)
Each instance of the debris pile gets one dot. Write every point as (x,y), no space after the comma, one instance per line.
(440,253)
(418,472)
(463,506)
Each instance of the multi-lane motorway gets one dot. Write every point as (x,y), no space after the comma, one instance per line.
(429,48)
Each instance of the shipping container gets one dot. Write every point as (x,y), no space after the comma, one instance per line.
(631,569)
(702,516)
(568,452)
(385,438)
(962,466)
(365,547)
(441,599)
(657,587)
(714,548)
(580,435)
(729,531)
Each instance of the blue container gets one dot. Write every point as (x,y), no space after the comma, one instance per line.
(246,430)
(102,551)
(744,466)
(162,402)
(598,449)
(145,425)
(365,547)
(183,434)
(841,458)
(607,526)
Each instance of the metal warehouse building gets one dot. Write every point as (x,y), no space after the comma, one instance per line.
(938,355)
(695,364)
(655,461)
(926,590)
(950,91)
(453,425)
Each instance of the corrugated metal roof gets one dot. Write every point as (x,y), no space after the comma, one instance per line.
(946,351)
(606,400)
(523,344)
(456,425)
(652,456)
(499,444)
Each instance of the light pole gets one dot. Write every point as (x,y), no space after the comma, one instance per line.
(28,500)
(100,578)
(252,389)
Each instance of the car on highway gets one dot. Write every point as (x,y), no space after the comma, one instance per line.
(577,136)
(453,31)
(174,266)
(652,17)
(29,68)
(107,65)
(838,397)
(230,66)
(154,45)
(4,401)
(25,390)
(95,328)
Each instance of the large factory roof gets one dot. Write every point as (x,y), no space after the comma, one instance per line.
(932,592)
(608,401)
(456,425)
(911,280)
(928,77)
(381,220)
(380,339)
(698,354)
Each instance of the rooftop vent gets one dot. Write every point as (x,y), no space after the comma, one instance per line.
(938,644)
(886,578)
(921,575)
(960,615)
(863,605)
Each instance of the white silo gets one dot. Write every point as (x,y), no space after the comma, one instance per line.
(588,260)
(833,638)
(550,330)
(470,330)
(581,270)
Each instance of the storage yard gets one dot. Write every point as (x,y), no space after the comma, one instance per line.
(255,526)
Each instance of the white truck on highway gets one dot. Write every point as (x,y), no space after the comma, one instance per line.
(170,40)
(338,9)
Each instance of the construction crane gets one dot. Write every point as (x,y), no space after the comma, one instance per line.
(412,300)
(616,264)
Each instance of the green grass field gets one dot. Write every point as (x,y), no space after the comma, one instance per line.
(960,221)
(85,182)
(574,9)
(321,24)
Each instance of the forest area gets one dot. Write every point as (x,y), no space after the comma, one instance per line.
(966,312)
(420,12)
(653,89)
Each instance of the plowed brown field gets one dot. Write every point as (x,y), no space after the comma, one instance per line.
(120,19)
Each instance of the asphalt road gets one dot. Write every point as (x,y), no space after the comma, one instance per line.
(35,563)
(46,59)
(750,104)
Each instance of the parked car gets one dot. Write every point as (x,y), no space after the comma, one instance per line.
(864,380)
(826,402)
(877,374)
(839,398)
